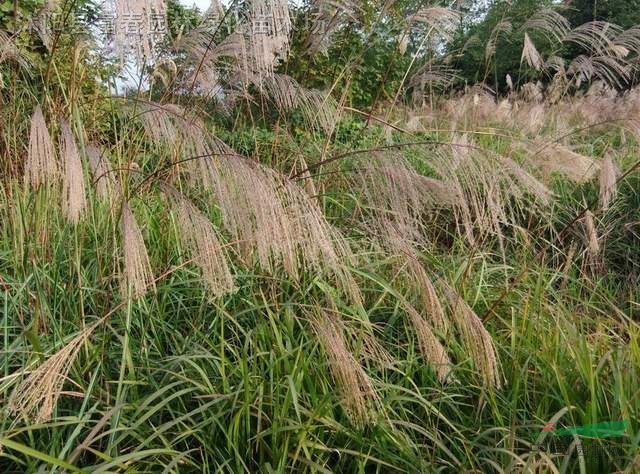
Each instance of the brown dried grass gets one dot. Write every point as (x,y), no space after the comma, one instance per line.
(202,240)
(36,397)
(41,165)
(359,398)
(137,273)
(74,199)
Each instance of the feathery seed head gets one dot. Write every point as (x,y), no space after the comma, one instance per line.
(103,177)
(203,242)
(359,397)
(41,165)
(530,54)
(36,397)
(608,179)
(74,200)
(476,338)
(430,346)
(138,276)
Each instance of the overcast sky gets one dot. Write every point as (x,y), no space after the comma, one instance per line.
(201,4)
(130,73)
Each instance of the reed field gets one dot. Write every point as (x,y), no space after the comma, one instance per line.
(319,237)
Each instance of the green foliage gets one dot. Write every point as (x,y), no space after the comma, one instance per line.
(477,65)
(625,13)
(367,52)
(181,381)
(470,43)
(15,14)
(181,18)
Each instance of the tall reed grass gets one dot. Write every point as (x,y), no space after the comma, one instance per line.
(185,290)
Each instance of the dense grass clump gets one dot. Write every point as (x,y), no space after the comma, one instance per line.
(228,270)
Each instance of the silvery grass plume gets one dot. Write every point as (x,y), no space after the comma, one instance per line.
(503,26)
(407,261)
(359,398)
(550,23)
(41,165)
(209,62)
(529,110)
(252,211)
(430,301)
(104,179)
(413,124)
(556,158)
(137,274)
(555,64)
(273,218)
(530,54)
(527,181)
(322,246)
(614,71)
(319,111)
(532,92)
(608,182)
(74,200)
(477,340)
(373,350)
(593,262)
(214,14)
(179,132)
(509,81)
(596,37)
(300,165)
(192,44)
(505,108)
(568,265)
(248,54)
(329,17)
(429,77)
(36,397)
(202,240)
(166,71)
(41,24)
(164,123)
(628,42)
(9,51)
(397,194)
(267,32)
(493,190)
(593,243)
(440,20)
(151,16)
(361,334)
(618,51)
(476,105)
(533,109)
(599,90)
(183,132)
(403,42)
(429,344)
(558,87)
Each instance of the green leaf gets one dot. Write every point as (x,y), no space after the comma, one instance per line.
(27,451)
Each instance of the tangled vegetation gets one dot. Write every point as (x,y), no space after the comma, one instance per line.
(322,237)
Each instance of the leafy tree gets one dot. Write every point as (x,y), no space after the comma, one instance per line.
(489,48)
(181,18)
(14,15)
(489,44)
(367,49)
(625,13)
